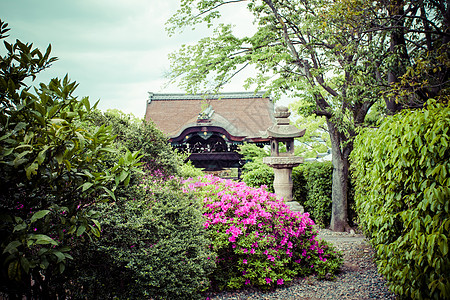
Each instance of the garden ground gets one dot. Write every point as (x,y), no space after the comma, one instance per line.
(357,279)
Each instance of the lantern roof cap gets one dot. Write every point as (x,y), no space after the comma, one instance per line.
(283,127)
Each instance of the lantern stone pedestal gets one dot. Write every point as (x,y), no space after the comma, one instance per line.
(283,162)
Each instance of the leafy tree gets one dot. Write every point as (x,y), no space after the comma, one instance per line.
(417,54)
(313,49)
(52,171)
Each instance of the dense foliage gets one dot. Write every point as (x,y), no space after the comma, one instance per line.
(402,195)
(52,171)
(137,135)
(258,240)
(153,245)
(312,188)
(261,175)
(254,172)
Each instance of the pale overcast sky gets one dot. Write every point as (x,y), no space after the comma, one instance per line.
(115,49)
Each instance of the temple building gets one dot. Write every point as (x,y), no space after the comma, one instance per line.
(210,128)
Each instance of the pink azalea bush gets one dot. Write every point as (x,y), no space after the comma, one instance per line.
(259,241)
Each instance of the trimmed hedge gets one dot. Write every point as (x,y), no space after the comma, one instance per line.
(152,246)
(312,186)
(263,175)
(402,190)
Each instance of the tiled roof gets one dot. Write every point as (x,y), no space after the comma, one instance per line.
(241,114)
(238,95)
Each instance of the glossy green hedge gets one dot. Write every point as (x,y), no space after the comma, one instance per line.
(312,188)
(402,180)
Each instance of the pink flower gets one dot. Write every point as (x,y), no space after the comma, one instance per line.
(244,261)
(247,282)
(268,280)
(280,281)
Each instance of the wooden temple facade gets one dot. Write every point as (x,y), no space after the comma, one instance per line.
(211,128)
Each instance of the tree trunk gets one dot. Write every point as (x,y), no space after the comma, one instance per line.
(340,152)
(398,48)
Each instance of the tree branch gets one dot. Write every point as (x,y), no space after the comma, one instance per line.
(215,7)
(287,40)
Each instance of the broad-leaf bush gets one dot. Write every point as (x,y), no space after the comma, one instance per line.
(254,172)
(52,172)
(187,170)
(258,240)
(402,178)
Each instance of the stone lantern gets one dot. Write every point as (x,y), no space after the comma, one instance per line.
(283,162)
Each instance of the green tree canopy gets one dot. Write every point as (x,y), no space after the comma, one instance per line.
(313,49)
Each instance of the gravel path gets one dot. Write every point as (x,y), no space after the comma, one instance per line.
(357,279)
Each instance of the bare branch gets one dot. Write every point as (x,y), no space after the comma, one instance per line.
(231,76)
(287,40)
(215,7)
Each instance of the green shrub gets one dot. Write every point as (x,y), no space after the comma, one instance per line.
(151,246)
(402,192)
(312,188)
(187,170)
(299,188)
(258,239)
(52,172)
(137,135)
(261,175)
